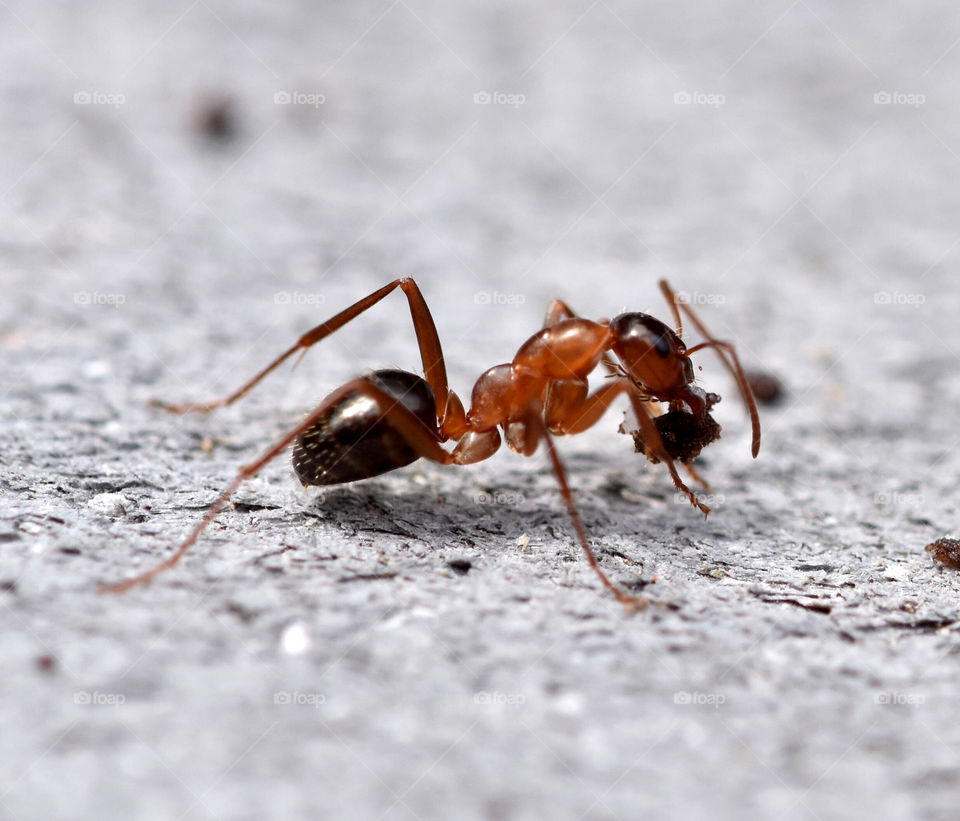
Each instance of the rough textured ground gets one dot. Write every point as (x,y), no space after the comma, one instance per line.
(317,656)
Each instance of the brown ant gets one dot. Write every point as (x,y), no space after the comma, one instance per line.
(390,418)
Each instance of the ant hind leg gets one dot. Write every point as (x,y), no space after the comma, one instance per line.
(425,442)
(431,353)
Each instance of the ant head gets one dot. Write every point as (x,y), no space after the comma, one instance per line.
(652,355)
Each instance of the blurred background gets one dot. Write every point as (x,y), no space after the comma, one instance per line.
(186,188)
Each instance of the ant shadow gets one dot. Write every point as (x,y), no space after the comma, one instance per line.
(468,513)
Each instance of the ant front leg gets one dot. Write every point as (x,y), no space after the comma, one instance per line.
(570,409)
(653,444)
(631,425)
(449,408)
(695,475)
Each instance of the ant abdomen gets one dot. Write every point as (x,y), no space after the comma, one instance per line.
(353,440)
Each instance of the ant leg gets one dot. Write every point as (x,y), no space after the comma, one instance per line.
(724,350)
(672,300)
(695,475)
(423,440)
(654,444)
(630,602)
(570,410)
(431,353)
(654,409)
(558,310)
(745,391)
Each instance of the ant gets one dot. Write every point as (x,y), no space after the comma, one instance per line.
(390,418)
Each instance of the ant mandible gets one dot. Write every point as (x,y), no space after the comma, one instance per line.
(390,418)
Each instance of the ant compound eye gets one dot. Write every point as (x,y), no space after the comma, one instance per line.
(662,346)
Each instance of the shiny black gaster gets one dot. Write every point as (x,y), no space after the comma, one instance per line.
(353,441)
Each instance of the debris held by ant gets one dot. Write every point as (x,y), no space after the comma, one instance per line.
(389,418)
(767,388)
(945,552)
(683,434)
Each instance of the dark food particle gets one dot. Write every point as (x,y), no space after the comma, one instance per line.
(683,435)
(946,552)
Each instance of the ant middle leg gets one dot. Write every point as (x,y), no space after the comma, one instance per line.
(557,310)
(535,425)
(569,408)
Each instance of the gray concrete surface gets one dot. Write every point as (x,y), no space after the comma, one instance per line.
(316,656)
